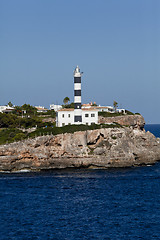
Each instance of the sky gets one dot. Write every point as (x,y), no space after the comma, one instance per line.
(115,43)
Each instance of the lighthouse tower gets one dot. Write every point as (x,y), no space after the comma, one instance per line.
(77,96)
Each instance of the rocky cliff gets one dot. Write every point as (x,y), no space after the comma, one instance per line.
(101,148)
(136,121)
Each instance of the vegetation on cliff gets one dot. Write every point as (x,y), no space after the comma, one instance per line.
(8,135)
(25,122)
(14,121)
(115,114)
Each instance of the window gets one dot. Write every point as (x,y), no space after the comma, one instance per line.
(92,115)
(78,118)
(62,115)
(69,115)
(86,123)
(86,115)
(63,124)
(92,123)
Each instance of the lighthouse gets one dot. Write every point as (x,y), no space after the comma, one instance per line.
(77,96)
(77,115)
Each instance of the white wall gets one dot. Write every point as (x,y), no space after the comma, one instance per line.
(64,118)
(55,107)
(92,117)
(3,108)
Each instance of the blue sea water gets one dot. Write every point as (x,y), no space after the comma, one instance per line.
(153,128)
(82,204)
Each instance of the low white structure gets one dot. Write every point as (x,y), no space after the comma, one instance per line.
(6,109)
(104,109)
(99,108)
(121,110)
(41,109)
(55,107)
(66,117)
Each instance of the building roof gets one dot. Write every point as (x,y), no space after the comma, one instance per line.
(86,105)
(89,109)
(66,109)
(41,108)
(72,109)
(104,107)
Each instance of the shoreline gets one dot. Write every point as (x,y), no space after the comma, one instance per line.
(70,169)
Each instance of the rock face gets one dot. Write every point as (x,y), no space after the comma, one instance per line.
(136,121)
(101,148)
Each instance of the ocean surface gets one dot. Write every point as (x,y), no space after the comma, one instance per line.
(82,204)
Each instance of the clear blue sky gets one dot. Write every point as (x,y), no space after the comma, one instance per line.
(116,43)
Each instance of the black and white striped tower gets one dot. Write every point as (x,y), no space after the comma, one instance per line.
(77,96)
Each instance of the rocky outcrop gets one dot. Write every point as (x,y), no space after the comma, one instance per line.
(136,121)
(101,148)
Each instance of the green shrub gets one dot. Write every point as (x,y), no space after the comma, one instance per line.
(114,137)
(71,105)
(137,113)
(129,113)
(9,120)
(10,135)
(19,136)
(50,113)
(31,122)
(108,114)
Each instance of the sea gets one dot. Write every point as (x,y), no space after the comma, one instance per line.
(84,204)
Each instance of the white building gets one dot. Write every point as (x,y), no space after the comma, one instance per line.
(77,115)
(121,110)
(6,109)
(66,117)
(103,108)
(41,109)
(99,108)
(55,107)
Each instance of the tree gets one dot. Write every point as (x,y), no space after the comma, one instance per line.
(17,110)
(29,109)
(66,100)
(10,104)
(115,104)
(71,105)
